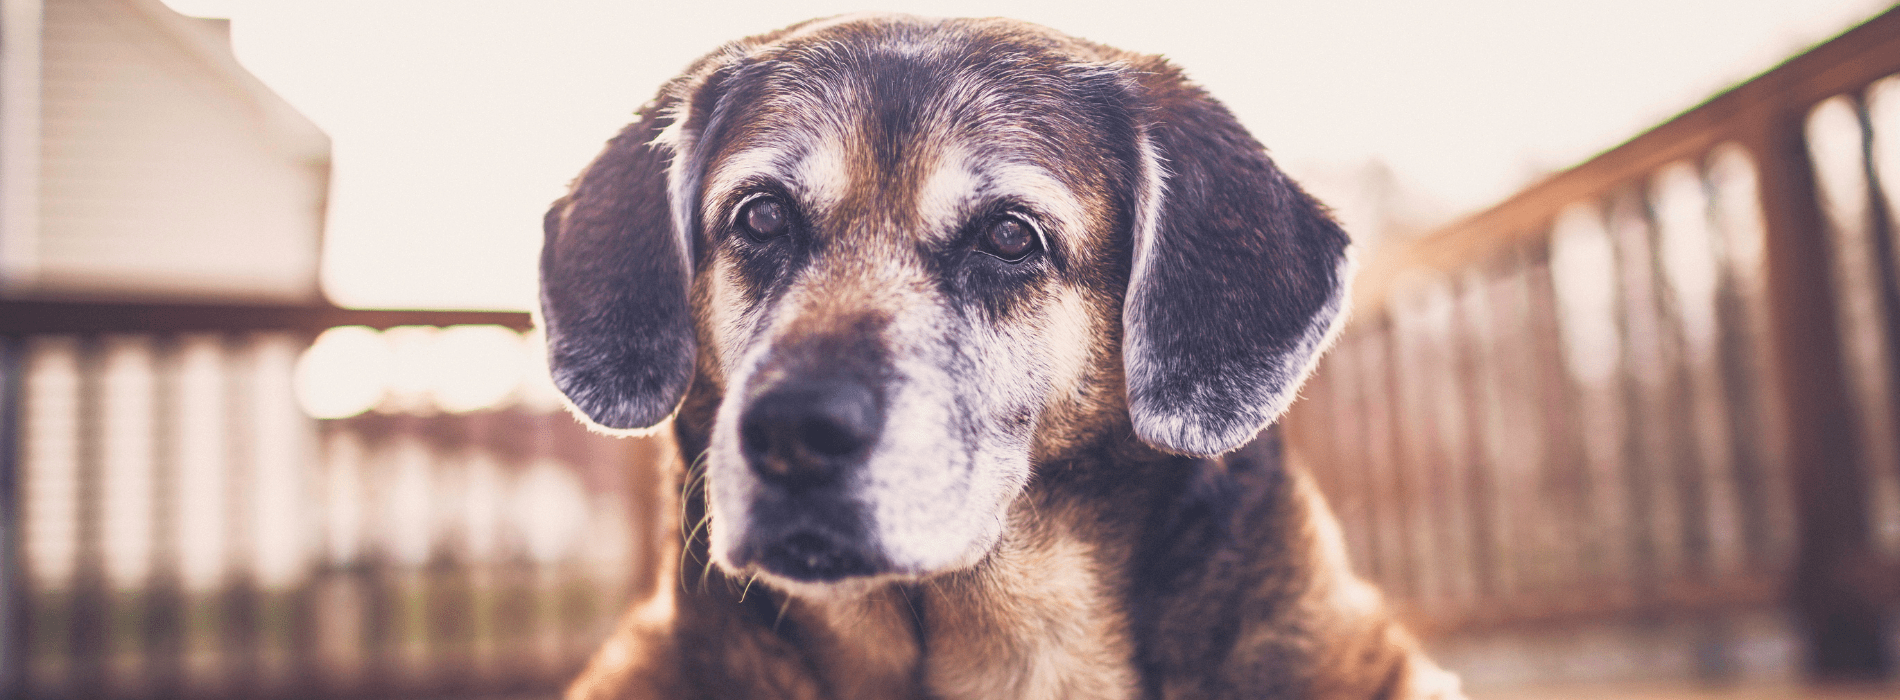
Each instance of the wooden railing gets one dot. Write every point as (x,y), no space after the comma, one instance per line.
(1661,383)
(176,526)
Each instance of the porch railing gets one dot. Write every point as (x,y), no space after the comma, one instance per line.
(1658,385)
(177,526)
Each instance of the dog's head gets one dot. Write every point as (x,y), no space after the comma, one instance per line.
(914,254)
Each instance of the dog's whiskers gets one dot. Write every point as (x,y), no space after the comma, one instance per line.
(782,607)
(705,574)
(695,480)
(904,592)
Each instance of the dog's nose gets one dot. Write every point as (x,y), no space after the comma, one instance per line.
(807,433)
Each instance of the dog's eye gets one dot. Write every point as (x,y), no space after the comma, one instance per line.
(763,218)
(1009,238)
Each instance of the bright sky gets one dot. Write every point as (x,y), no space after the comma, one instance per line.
(455,122)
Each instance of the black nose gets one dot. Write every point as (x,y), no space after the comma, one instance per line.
(808,433)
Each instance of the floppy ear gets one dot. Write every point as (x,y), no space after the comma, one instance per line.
(615,275)
(1237,283)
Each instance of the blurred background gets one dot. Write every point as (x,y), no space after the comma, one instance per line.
(1615,415)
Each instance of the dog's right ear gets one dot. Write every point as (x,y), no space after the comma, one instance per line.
(616,270)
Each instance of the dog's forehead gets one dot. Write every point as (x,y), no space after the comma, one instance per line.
(912,125)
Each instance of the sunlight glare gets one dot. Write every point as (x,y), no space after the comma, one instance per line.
(343,373)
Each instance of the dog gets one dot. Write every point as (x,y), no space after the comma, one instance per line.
(965,329)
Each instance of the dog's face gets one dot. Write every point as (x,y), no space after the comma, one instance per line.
(913,255)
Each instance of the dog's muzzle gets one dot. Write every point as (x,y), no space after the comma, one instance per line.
(805,440)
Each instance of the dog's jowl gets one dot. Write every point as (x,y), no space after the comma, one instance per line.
(968,332)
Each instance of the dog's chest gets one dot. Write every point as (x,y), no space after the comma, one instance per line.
(1037,624)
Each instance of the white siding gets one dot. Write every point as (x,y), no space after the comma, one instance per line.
(166,170)
(19,139)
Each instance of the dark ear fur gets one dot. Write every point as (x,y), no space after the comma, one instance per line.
(1238,279)
(615,277)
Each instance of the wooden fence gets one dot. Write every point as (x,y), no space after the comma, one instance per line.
(1660,383)
(176,526)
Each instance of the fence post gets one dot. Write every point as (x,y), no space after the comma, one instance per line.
(1830,588)
(13,588)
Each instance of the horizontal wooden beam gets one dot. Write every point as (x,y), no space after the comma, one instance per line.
(21,317)
(1848,63)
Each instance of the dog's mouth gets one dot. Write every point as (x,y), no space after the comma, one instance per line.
(814,556)
(808,536)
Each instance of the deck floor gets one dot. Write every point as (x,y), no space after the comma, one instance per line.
(1688,692)
(1634,692)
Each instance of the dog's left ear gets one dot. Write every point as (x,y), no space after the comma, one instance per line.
(1238,280)
(614,283)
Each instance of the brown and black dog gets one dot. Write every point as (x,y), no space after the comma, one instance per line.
(966,329)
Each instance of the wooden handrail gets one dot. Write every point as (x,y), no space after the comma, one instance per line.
(1847,63)
(19,317)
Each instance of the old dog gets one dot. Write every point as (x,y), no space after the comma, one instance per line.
(966,330)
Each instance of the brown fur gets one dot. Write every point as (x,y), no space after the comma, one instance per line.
(1122,570)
